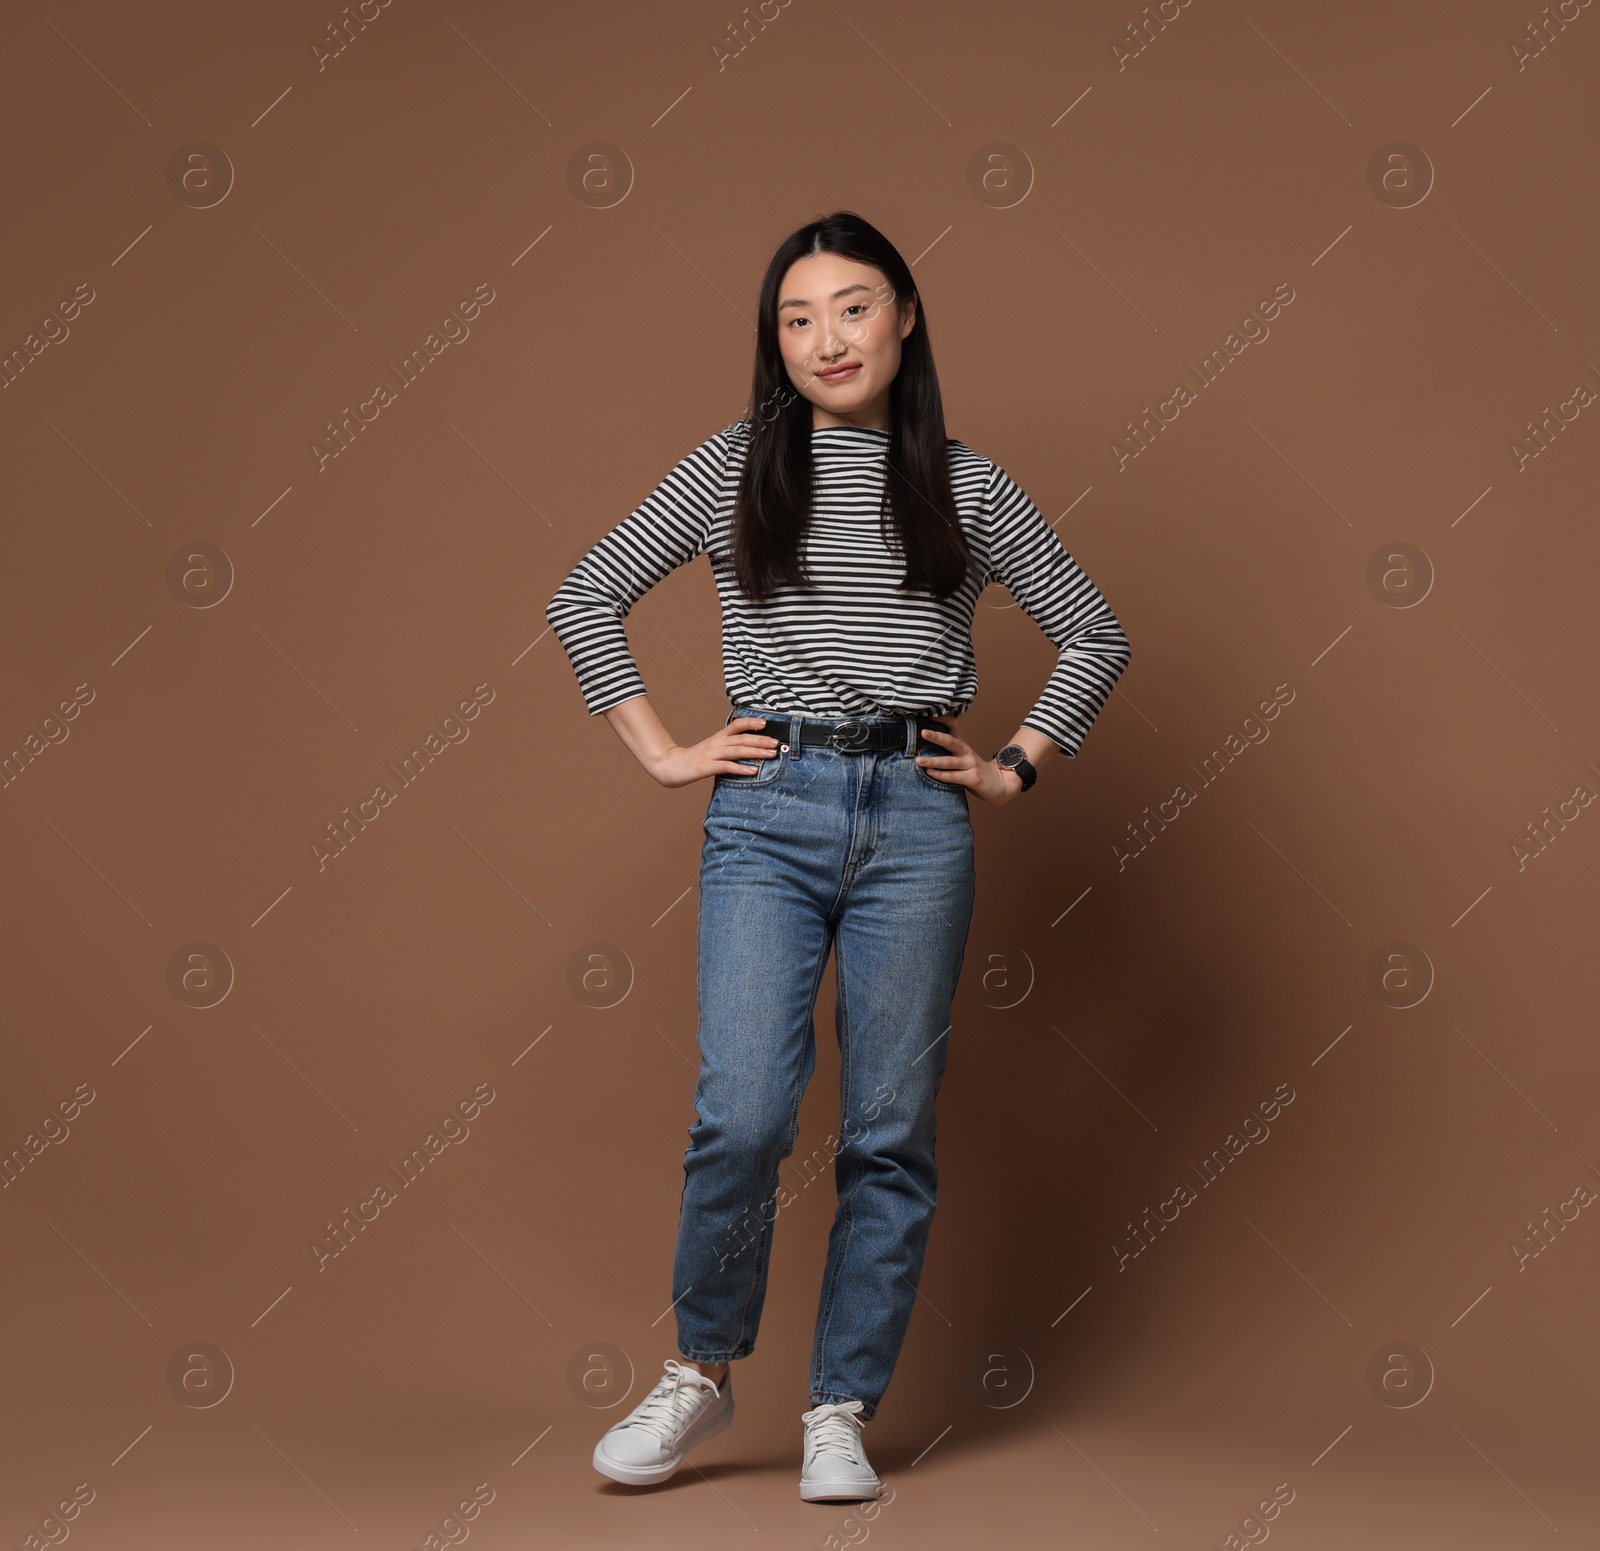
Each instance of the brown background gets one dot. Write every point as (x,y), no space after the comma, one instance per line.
(1097,1056)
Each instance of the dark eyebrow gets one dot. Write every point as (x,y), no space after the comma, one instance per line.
(800,301)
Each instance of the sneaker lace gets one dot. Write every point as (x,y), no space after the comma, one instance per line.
(834,1429)
(665,1409)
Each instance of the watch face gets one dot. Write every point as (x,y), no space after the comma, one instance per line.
(1011,754)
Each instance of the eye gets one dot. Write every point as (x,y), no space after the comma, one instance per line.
(855,307)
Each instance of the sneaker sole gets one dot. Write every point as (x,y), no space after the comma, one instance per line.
(840,1491)
(649,1475)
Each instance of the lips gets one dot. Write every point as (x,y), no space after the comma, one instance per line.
(839,374)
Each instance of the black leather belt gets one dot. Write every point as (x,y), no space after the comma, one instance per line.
(851,734)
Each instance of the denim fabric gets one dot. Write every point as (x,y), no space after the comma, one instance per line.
(868,855)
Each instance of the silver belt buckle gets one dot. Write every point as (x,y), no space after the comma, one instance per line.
(850,735)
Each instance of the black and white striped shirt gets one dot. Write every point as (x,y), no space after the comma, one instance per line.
(856,646)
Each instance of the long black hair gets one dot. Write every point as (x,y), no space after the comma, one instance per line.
(772,511)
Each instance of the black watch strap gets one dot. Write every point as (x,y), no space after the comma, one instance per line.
(1014,757)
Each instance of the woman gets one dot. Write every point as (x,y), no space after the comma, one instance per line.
(849,539)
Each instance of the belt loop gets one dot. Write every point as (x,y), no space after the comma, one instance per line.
(729,717)
(911,736)
(794,737)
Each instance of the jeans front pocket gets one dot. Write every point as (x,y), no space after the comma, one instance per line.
(935,782)
(766,770)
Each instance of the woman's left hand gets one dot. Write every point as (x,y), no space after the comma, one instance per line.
(963,766)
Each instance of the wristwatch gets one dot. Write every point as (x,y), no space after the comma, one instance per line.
(1014,757)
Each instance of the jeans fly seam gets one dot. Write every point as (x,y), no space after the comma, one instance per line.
(853,862)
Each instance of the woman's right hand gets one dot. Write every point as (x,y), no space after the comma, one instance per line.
(742,739)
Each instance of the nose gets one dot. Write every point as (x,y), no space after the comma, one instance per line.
(830,350)
(838,340)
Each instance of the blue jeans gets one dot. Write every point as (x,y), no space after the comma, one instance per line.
(866,853)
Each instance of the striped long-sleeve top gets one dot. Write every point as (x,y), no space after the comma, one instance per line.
(855,646)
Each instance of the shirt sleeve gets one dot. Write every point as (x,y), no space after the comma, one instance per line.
(1027,556)
(668,528)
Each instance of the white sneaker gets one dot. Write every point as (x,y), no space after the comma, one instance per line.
(682,1411)
(835,1467)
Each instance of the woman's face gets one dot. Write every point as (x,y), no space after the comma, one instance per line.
(839,327)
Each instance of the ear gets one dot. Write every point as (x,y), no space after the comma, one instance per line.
(908,316)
